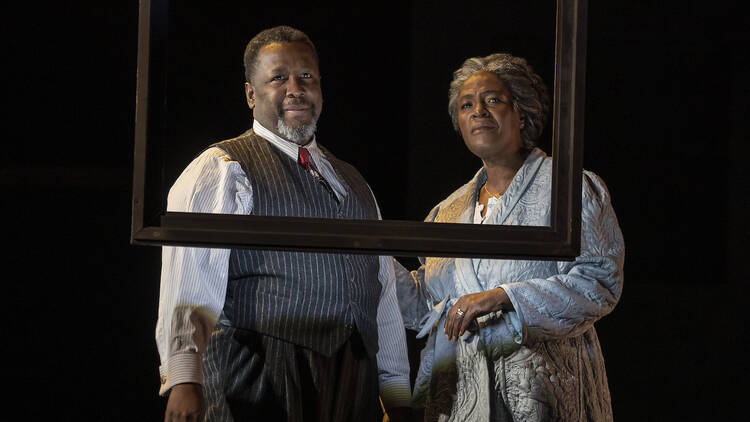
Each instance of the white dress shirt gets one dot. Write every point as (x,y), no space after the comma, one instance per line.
(194,280)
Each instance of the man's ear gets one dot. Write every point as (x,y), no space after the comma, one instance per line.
(250,95)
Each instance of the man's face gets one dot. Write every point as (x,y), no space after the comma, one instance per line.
(489,124)
(284,92)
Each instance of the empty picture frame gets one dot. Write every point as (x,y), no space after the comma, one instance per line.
(152,225)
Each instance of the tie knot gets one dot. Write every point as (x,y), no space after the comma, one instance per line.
(304,158)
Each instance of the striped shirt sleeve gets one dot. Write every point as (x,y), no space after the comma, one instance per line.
(194,280)
(393,362)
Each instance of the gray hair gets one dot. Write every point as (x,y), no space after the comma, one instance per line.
(527,90)
(272,35)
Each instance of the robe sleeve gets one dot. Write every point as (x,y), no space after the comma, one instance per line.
(414,301)
(568,303)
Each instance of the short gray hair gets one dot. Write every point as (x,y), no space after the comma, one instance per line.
(271,35)
(527,90)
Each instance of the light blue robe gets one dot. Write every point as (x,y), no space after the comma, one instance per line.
(541,361)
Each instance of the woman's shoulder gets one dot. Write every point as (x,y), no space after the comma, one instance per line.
(457,199)
(593,187)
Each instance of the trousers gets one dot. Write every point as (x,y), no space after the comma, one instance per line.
(250,376)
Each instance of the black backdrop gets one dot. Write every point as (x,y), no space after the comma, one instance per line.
(665,128)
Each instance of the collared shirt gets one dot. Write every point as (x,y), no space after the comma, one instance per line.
(194,280)
(291,149)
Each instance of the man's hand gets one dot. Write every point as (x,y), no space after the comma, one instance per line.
(185,404)
(399,414)
(472,306)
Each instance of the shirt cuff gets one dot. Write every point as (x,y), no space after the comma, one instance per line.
(395,392)
(180,369)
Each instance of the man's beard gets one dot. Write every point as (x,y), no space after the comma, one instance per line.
(298,134)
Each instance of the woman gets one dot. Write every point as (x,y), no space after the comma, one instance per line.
(513,340)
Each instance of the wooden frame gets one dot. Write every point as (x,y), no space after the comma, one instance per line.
(151,225)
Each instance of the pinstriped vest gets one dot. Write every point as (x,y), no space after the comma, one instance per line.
(310,299)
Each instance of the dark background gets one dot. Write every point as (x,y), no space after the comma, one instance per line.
(665,128)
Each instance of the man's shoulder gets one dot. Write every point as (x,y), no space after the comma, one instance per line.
(245,137)
(341,164)
(240,148)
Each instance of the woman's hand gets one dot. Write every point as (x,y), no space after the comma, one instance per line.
(472,306)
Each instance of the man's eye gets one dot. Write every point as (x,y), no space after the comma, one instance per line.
(493,100)
(465,106)
(306,75)
(278,78)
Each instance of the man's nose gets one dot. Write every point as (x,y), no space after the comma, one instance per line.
(294,88)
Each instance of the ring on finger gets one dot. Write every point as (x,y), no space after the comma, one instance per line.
(460,312)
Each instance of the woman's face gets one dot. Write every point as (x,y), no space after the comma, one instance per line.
(491,128)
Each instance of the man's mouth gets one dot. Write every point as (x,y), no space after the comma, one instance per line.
(295,104)
(296,109)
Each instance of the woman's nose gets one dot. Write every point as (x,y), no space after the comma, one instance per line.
(479,110)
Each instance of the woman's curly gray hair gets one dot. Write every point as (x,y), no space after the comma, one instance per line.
(527,90)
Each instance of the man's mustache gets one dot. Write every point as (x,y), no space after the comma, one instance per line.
(295,104)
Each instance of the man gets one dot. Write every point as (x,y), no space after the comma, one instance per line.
(284,335)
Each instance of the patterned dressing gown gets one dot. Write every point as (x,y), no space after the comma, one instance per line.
(542,361)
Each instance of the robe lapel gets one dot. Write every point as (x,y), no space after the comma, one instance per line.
(521,181)
(461,210)
(466,277)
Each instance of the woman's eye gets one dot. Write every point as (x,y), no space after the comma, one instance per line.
(306,75)
(277,78)
(493,100)
(465,106)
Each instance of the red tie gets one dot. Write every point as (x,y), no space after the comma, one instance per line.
(304,161)
(304,158)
